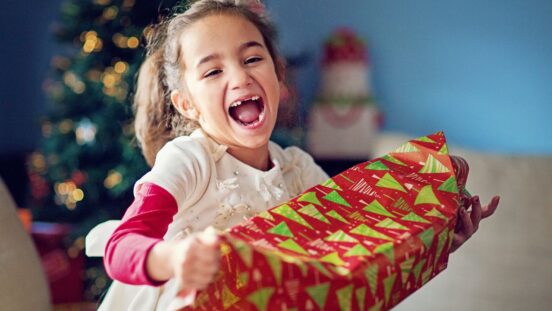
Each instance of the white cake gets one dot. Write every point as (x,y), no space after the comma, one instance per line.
(344,120)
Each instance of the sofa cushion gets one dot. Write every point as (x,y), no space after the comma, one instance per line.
(23,285)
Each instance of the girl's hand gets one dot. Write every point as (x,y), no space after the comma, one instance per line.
(196,260)
(470,220)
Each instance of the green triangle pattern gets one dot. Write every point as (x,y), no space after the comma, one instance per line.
(371,274)
(341,271)
(449,185)
(443,150)
(333,258)
(377,306)
(242,279)
(303,267)
(266,215)
(360,294)
(387,181)
(309,197)
(435,213)
(441,243)
(451,238)
(401,204)
(228,298)
(344,296)
(245,252)
(390,224)
(320,267)
(425,139)
(330,183)
(406,267)
(276,266)
(289,258)
(357,250)
(392,160)
(357,216)
(340,236)
(408,147)
(287,212)
(388,250)
(281,229)
(427,274)
(433,165)
(336,198)
(319,293)
(313,212)
(377,166)
(388,283)
(367,231)
(417,269)
(261,297)
(376,208)
(414,218)
(291,245)
(427,237)
(426,196)
(337,216)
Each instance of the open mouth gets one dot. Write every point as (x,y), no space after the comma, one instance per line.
(248,112)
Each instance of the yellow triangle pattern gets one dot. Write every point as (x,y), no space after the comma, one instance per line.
(228,298)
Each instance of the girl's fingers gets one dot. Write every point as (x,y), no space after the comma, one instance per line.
(457,241)
(467,202)
(207,268)
(199,250)
(491,207)
(196,282)
(199,276)
(475,214)
(466,223)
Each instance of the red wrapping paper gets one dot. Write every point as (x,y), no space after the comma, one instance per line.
(363,240)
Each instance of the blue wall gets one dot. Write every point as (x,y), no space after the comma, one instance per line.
(25,52)
(479,70)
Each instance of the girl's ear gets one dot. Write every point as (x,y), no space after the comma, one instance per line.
(184,105)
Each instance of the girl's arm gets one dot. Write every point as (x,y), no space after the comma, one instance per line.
(137,254)
(143,226)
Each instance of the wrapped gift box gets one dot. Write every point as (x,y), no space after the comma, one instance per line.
(64,267)
(363,240)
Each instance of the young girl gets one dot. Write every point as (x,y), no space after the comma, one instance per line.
(206,104)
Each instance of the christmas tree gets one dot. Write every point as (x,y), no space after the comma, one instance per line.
(88,161)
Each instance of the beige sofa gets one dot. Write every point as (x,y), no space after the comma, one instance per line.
(22,282)
(507,265)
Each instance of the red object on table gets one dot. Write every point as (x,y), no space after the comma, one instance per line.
(64,268)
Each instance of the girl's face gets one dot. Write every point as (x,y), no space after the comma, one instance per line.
(230,80)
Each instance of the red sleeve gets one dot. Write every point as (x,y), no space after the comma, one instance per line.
(144,224)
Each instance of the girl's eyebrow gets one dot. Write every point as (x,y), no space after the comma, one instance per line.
(244,46)
(249,44)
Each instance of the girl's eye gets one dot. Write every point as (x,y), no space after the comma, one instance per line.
(212,73)
(253,59)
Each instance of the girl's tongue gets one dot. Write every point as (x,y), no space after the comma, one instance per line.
(246,113)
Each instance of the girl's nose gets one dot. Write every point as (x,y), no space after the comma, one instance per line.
(240,78)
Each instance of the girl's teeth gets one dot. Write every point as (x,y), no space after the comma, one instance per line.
(239,102)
